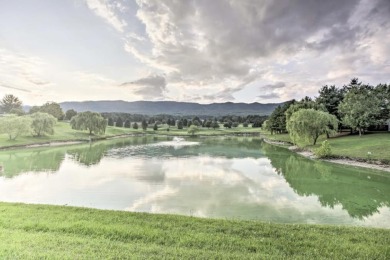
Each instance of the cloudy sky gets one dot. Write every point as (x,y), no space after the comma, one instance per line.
(189,50)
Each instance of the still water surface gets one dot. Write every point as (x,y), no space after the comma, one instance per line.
(231,177)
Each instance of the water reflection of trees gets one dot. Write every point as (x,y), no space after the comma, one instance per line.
(16,162)
(361,192)
(88,155)
(49,159)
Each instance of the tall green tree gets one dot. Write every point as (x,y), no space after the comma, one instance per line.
(70,113)
(53,109)
(208,123)
(305,103)
(215,124)
(228,124)
(259,123)
(119,122)
(360,107)
(43,123)
(144,124)
(127,123)
(309,124)
(196,122)
(15,126)
(193,129)
(330,97)
(110,121)
(9,103)
(277,120)
(90,121)
(34,109)
(382,91)
(180,124)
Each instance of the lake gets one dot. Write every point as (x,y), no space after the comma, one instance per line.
(219,177)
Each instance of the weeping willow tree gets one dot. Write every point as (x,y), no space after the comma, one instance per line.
(15,126)
(309,124)
(90,121)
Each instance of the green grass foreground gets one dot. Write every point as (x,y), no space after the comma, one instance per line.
(54,232)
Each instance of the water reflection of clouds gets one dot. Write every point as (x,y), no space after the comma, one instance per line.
(175,144)
(265,194)
(198,185)
(150,149)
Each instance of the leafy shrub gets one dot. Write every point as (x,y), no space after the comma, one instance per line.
(324,151)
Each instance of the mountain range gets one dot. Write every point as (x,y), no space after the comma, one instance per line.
(171,107)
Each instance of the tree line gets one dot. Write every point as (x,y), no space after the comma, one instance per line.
(356,106)
(40,120)
(127,120)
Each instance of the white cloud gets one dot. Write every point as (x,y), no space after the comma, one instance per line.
(215,46)
(208,51)
(150,87)
(106,10)
(24,74)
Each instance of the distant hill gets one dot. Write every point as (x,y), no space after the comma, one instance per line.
(171,107)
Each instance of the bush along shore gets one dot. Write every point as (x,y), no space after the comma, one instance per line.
(60,232)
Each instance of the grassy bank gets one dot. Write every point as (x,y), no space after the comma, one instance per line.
(39,231)
(63,132)
(352,146)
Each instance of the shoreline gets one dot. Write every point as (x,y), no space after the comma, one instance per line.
(287,145)
(343,161)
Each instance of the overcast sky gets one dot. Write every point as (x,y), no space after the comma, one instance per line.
(189,50)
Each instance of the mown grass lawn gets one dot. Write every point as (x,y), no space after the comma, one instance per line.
(353,146)
(39,231)
(378,144)
(62,132)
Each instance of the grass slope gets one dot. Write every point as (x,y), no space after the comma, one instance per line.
(358,147)
(351,146)
(39,231)
(62,132)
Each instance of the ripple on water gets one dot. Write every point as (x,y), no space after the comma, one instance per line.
(160,149)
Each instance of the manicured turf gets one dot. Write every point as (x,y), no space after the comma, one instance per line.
(378,144)
(38,231)
(353,146)
(62,132)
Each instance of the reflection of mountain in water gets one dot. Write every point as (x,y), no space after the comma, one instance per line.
(360,191)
